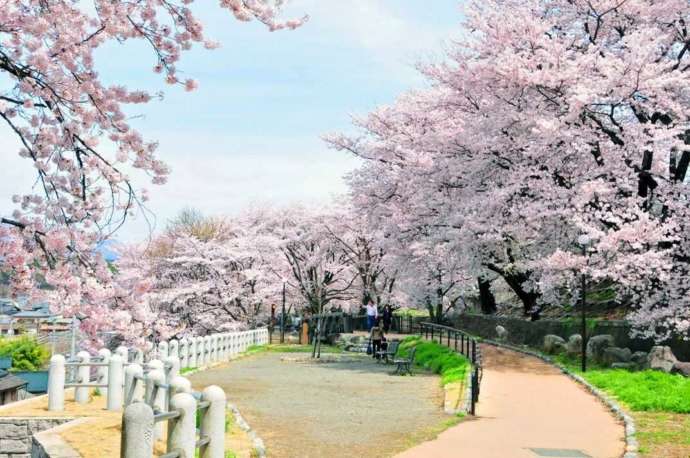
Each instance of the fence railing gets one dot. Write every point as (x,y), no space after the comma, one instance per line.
(154,392)
(462,343)
(168,356)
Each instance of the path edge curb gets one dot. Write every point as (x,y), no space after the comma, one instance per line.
(631,444)
(257,442)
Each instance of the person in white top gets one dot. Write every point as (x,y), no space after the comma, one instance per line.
(372,313)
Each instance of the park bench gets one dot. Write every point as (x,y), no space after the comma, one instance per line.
(404,365)
(389,353)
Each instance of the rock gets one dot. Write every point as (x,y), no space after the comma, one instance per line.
(661,358)
(681,368)
(574,345)
(597,344)
(639,358)
(554,344)
(627,366)
(616,355)
(501,333)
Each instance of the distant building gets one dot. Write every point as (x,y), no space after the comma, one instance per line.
(12,388)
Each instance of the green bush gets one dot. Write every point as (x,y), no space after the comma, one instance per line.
(26,353)
(646,390)
(451,366)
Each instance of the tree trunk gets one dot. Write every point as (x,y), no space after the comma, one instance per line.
(515,281)
(487,301)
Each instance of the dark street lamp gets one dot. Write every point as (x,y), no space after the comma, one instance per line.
(584,241)
(282,316)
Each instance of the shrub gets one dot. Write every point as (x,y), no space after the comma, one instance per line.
(26,353)
(451,366)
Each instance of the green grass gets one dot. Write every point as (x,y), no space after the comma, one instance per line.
(288,348)
(451,366)
(404,311)
(641,391)
(646,390)
(187,370)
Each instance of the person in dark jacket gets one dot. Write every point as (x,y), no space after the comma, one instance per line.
(387,316)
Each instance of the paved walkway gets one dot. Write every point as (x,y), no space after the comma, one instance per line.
(526,404)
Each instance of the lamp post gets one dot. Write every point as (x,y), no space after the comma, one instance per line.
(584,242)
(282,316)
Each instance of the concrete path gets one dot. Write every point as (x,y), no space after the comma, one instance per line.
(528,409)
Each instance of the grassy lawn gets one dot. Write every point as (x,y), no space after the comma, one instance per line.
(290,348)
(451,366)
(659,403)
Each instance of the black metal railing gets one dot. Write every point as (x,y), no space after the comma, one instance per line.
(460,342)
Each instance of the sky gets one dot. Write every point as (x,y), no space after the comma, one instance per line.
(251,134)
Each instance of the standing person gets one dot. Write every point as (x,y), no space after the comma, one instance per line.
(372,313)
(387,317)
(376,337)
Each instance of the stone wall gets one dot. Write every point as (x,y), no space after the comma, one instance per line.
(525,332)
(16,434)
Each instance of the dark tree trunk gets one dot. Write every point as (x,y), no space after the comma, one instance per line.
(487,301)
(515,281)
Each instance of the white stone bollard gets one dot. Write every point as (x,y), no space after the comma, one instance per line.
(213,423)
(116,369)
(123,352)
(182,432)
(138,357)
(174,349)
(184,353)
(213,340)
(156,378)
(134,389)
(102,371)
(207,350)
(156,364)
(81,393)
(137,431)
(191,352)
(180,385)
(162,350)
(172,365)
(56,384)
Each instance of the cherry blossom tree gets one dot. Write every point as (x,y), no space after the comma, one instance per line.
(548,120)
(73,130)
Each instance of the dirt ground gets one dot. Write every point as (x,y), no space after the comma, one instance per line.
(352,408)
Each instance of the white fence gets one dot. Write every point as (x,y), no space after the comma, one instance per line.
(154,392)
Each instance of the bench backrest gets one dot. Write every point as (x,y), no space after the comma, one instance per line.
(410,356)
(393,347)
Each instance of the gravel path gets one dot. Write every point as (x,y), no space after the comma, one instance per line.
(336,409)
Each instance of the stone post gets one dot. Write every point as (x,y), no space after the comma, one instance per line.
(138,357)
(212,348)
(123,352)
(115,382)
(182,433)
(162,350)
(102,379)
(56,384)
(174,348)
(184,353)
(204,354)
(154,379)
(81,393)
(192,352)
(137,431)
(180,385)
(213,423)
(134,389)
(173,367)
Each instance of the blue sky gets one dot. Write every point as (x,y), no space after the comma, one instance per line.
(251,132)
